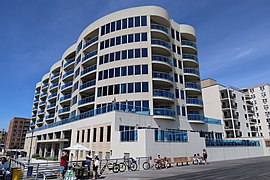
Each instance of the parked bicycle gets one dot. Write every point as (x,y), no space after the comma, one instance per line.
(111,166)
(129,163)
(158,164)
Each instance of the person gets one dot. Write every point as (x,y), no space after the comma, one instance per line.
(87,163)
(166,162)
(5,163)
(199,158)
(63,163)
(195,159)
(95,167)
(159,161)
(205,156)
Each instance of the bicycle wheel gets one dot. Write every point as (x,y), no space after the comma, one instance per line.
(133,166)
(146,165)
(110,166)
(122,167)
(157,165)
(115,168)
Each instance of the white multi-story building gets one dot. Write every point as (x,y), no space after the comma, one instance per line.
(229,104)
(260,97)
(129,85)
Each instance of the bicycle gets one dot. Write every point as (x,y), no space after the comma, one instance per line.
(111,166)
(157,164)
(130,163)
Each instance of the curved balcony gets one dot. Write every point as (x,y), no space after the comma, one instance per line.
(193,86)
(68,96)
(67,74)
(39,121)
(194,102)
(43,94)
(91,41)
(53,86)
(89,55)
(88,84)
(45,86)
(67,85)
(69,62)
(53,95)
(162,62)
(37,93)
(35,108)
(163,113)
(190,60)
(55,76)
(89,69)
(161,43)
(49,116)
(161,47)
(189,46)
(160,27)
(163,95)
(195,118)
(160,32)
(64,110)
(51,106)
(41,111)
(87,100)
(162,78)
(192,72)
(42,103)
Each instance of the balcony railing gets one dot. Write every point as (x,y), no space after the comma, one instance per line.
(161,43)
(87,100)
(66,85)
(89,69)
(41,111)
(190,56)
(91,41)
(68,96)
(88,84)
(196,117)
(69,62)
(49,116)
(51,105)
(163,93)
(194,101)
(192,71)
(164,112)
(211,120)
(45,85)
(231,143)
(189,43)
(193,85)
(160,27)
(162,76)
(89,55)
(68,73)
(40,120)
(42,102)
(36,93)
(55,75)
(66,109)
(53,85)
(161,59)
(52,95)
(171,135)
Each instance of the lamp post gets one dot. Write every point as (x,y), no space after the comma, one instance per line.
(32,132)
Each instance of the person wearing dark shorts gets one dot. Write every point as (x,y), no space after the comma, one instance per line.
(205,156)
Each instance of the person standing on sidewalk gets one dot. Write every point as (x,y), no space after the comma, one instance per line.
(95,167)
(205,156)
(63,164)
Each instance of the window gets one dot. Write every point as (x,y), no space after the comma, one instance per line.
(144,36)
(113,26)
(117,55)
(130,88)
(178,50)
(130,53)
(74,100)
(182,94)
(108,133)
(143,21)
(118,40)
(105,74)
(144,86)
(145,69)
(78,136)
(137,69)
(111,73)
(102,30)
(177,93)
(181,79)
(175,77)
(137,87)
(76,85)
(111,57)
(95,135)
(173,48)
(88,135)
(124,54)
(123,88)
(124,23)
(130,22)
(123,71)
(180,64)
(177,36)
(130,70)
(118,25)
(130,38)
(174,62)
(100,73)
(106,58)
(124,39)
(178,110)
(137,21)
(110,92)
(117,72)
(107,28)
(172,33)
(83,135)
(107,42)
(99,92)
(137,53)
(137,37)
(104,92)
(102,45)
(100,60)
(112,43)
(117,89)
(101,134)
(183,111)
(144,52)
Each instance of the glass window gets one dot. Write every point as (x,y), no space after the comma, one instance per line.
(137,53)
(182,94)
(118,25)
(110,92)
(124,54)
(144,52)
(178,110)
(117,89)
(117,72)
(183,111)
(130,88)
(101,134)
(173,48)
(101,45)
(99,90)
(174,62)
(130,53)
(177,93)
(144,86)
(137,21)
(104,92)
(178,50)
(130,22)
(107,28)
(124,39)
(88,135)
(102,30)
(74,100)
(105,74)
(100,60)
(130,70)
(143,21)
(145,69)
(145,104)
(180,64)
(117,55)
(113,26)
(137,37)
(123,71)
(130,38)
(108,133)
(111,57)
(177,38)
(175,77)
(144,36)
(123,88)
(107,42)
(124,23)
(172,33)
(137,69)
(118,40)
(111,73)
(112,43)
(138,87)
(100,73)
(106,58)
(138,105)
(181,79)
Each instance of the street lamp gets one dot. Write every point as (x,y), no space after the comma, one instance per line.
(32,132)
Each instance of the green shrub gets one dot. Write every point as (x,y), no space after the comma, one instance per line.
(35,156)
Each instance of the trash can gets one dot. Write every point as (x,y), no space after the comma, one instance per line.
(16,173)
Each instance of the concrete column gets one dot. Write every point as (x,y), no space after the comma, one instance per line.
(40,150)
(52,150)
(45,150)
(61,147)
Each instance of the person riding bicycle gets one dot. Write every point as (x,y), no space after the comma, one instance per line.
(159,160)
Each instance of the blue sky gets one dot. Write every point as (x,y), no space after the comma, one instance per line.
(233,38)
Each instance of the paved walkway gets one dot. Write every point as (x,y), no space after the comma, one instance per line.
(251,168)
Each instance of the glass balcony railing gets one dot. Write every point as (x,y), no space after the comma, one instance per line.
(161,59)
(89,69)
(34,115)
(171,135)
(231,142)
(69,62)
(190,56)
(35,100)
(192,71)
(51,105)
(43,94)
(193,85)
(45,85)
(160,27)
(32,124)
(53,85)
(195,117)
(87,100)
(40,120)
(194,101)
(55,75)
(91,41)
(52,95)
(42,102)
(66,85)
(68,73)
(212,120)
(68,96)
(162,76)
(164,112)
(41,111)
(35,108)
(89,55)
(49,116)
(161,43)
(189,43)
(66,109)
(88,84)
(163,93)
(36,93)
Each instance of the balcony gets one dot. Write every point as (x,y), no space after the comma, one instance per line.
(51,106)
(91,41)
(89,69)
(161,62)
(45,86)
(66,109)
(52,95)
(193,86)
(35,108)
(160,27)
(69,62)
(39,121)
(192,72)
(66,85)
(42,103)
(68,96)
(49,116)
(88,84)
(89,55)
(41,111)
(164,95)
(189,43)
(68,73)
(164,113)
(53,85)
(87,100)
(37,93)
(163,76)
(55,75)
(190,56)
(195,118)
(161,43)
(43,94)
(194,101)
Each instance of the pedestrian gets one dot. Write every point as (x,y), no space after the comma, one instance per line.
(87,163)
(205,156)
(63,164)
(95,167)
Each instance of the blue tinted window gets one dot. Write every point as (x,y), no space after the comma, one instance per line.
(178,110)
(178,50)
(130,22)
(177,36)
(137,69)
(137,21)
(174,62)
(111,73)
(130,38)
(112,42)
(173,48)
(100,59)
(123,88)
(124,23)
(181,79)
(144,36)
(143,21)
(117,72)
(172,33)
(123,71)
(100,73)
(175,77)
(138,105)
(110,90)
(130,88)
(137,37)
(117,89)
(182,94)
(105,74)
(104,92)
(130,70)
(111,57)
(183,111)
(144,52)
(145,69)
(107,43)
(99,92)
(117,55)
(124,39)
(177,93)
(137,53)
(102,30)
(137,87)
(130,53)
(106,58)
(145,104)
(107,28)
(118,40)
(124,54)
(113,26)
(102,45)
(118,25)
(144,86)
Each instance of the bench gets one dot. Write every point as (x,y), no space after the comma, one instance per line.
(181,160)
